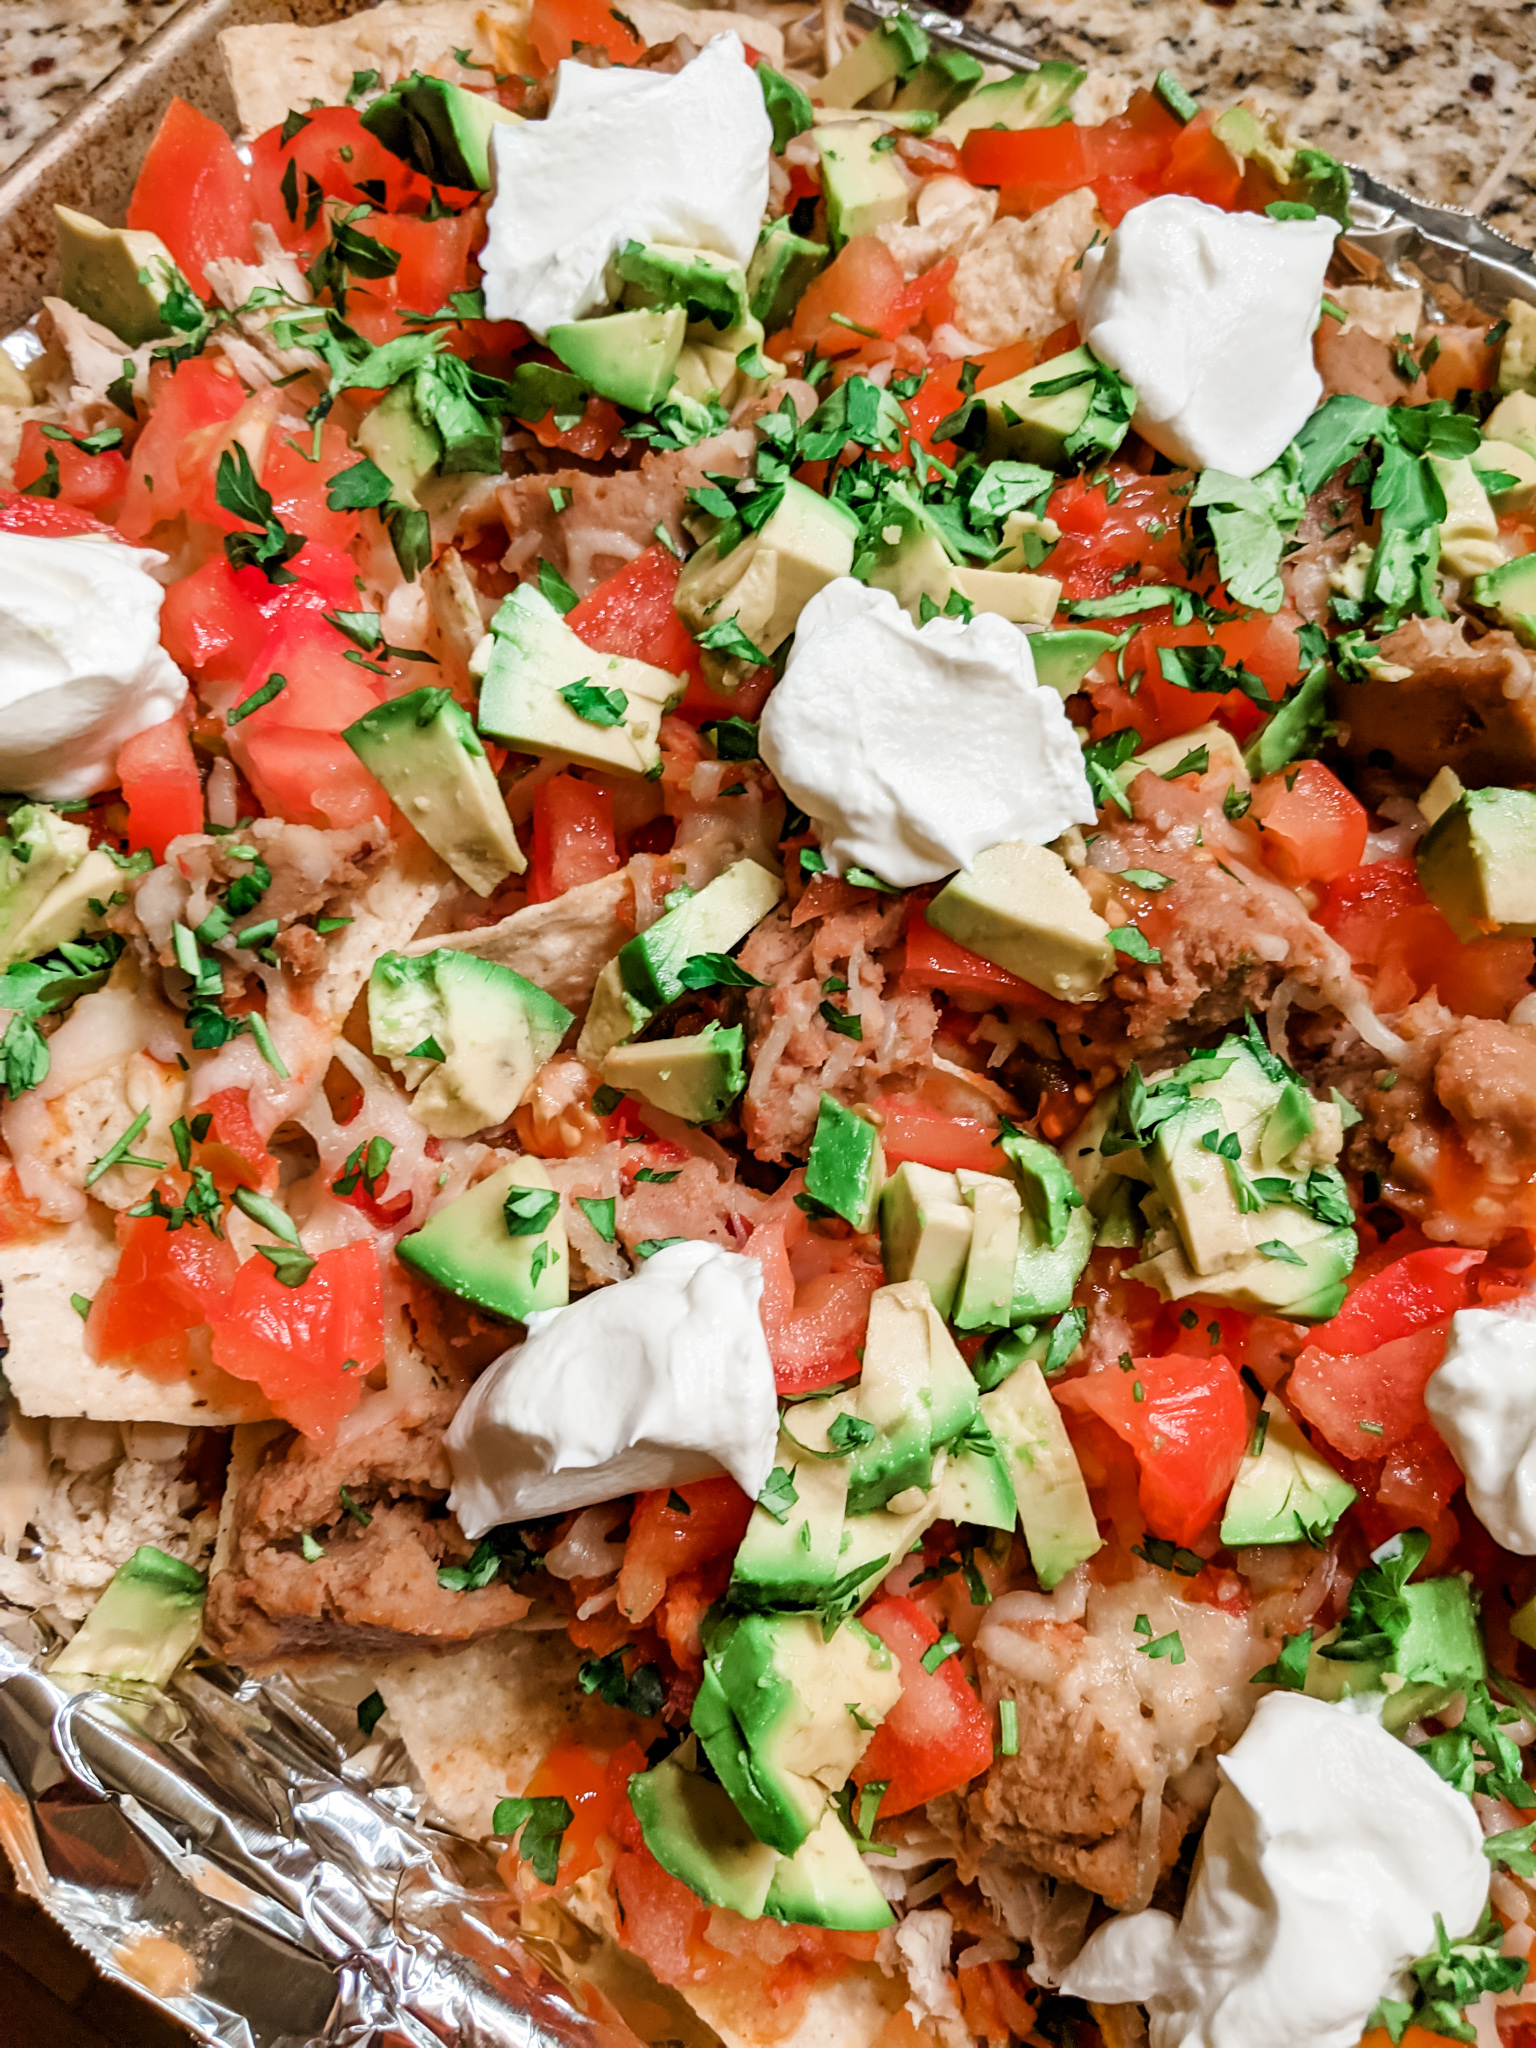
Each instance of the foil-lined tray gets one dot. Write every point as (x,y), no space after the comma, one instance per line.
(236,1850)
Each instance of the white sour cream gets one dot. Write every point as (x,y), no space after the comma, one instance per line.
(625,155)
(659,1379)
(81,665)
(1482,1399)
(1210,316)
(1329,1850)
(915,748)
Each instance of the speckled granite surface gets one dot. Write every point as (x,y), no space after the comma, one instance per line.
(1437,96)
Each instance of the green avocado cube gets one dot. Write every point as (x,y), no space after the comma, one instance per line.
(782,265)
(1022,908)
(873,1542)
(1477,863)
(691,1827)
(467,1247)
(895,1398)
(940,84)
(146,1619)
(545,691)
(791,1559)
(1045,1275)
(1054,1509)
(893,49)
(986,1290)
(1046,1188)
(785,1712)
(395,437)
(441,130)
(1511,593)
(846,1167)
(826,1884)
(1048,414)
(976,1485)
(696,1078)
(1063,660)
(706,285)
(49,877)
(1284,1492)
(863,184)
(119,277)
(424,750)
(1027,99)
(630,357)
(1439,1655)
(765,581)
(466,1034)
(925,1230)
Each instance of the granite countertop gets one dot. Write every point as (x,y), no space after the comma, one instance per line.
(1436,96)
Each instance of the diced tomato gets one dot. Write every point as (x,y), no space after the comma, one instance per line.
(298,484)
(573,839)
(48,516)
(591,437)
(233,1150)
(308,1348)
(167,1284)
(660,1920)
(633,612)
(935,961)
(665,1540)
(1418,1477)
(215,622)
(1384,921)
(860,288)
(1099,538)
(169,458)
(291,748)
(1187,1422)
(161,786)
(1400,1298)
(555,27)
(938,1736)
(813,1329)
(595,1786)
(94,483)
(1201,165)
(1364,1403)
(316,153)
(194,194)
(1314,829)
(1125,159)
(1264,645)
(434,262)
(913,1129)
(20,1217)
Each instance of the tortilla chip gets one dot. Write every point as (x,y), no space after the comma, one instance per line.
(658,21)
(561,946)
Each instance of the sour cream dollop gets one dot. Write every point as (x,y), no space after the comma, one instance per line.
(1329,1850)
(81,665)
(624,155)
(656,1380)
(1482,1399)
(1210,315)
(915,748)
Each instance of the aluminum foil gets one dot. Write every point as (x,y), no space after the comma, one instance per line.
(233,1850)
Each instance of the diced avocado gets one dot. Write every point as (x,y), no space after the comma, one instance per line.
(1273,171)
(765,581)
(1517,351)
(546,691)
(792,1562)
(1469,532)
(1285,1493)
(120,277)
(629,357)
(1063,660)
(864,186)
(1048,1190)
(1292,1120)
(825,1884)
(696,1078)
(1495,462)
(782,265)
(784,1714)
(707,286)
(1511,592)
(986,1291)
(953,1408)
(1440,1654)
(976,1485)
(872,1543)
(145,1620)
(1022,908)
(404,445)
(645,975)
(939,84)
(468,1249)
(1054,1509)
(1192,1176)
(1224,756)
(1012,594)
(467,1034)
(1513,419)
(894,49)
(913,560)
(1045,1275)
(925,1230)
(895,1397)
(846,1167)
(424,749)
(49,876)
(439,129)
(1307,1287)
(1477,863)
(1053,413)
(695,1833)
(1442,791)
(1029,99)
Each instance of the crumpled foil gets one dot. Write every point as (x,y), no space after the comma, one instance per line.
(221,1837)
(304,1894)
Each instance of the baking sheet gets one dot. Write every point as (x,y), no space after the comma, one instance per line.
(238,1844)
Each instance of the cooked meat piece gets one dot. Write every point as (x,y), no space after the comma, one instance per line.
(1467,706)
(1486,1077)
(1331,528)
(376,1585)
(1355,360)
